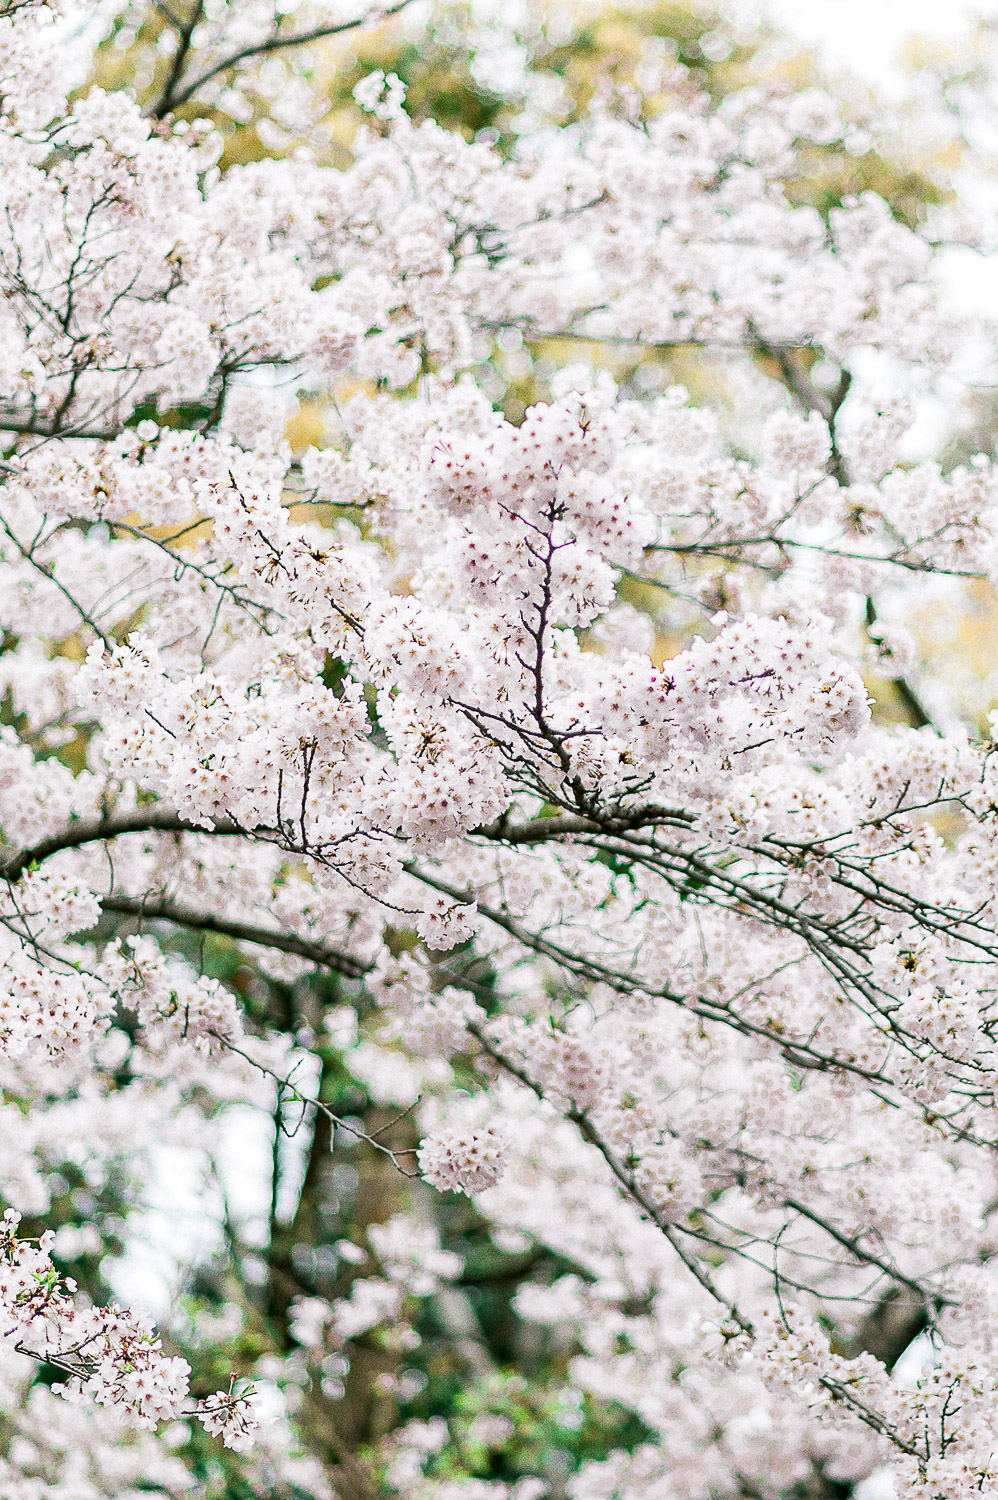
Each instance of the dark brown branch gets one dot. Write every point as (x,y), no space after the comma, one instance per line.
(797,1052)
(173,100)
(917,715)
(37,427)
(624,1177)
(872,1419)
(321,1108)
(851,1243)
(139,820)
(541,830)
(156,910)
(185,34)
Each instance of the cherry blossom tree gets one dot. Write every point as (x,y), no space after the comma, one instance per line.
(527,771)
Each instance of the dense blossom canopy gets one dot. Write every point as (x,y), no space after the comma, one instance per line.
(548,741)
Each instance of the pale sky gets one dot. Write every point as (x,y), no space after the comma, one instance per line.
(866,34)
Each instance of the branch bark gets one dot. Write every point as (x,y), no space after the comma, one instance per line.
(155,909)
(139,820)
(173,98)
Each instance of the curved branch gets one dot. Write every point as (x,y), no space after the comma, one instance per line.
(173,100)
(867,1257)
(158,910)
(185,36)
(39,427)
(95,831)
(798,1052)
(541,830)
(625,1178)
(285,1085)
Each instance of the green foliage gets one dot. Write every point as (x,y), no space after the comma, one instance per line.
(506,1427)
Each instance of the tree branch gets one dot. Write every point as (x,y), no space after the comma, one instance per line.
(624,1177)
(36,427)
(157,910)
(185,33)
(139,820)
(851,1243)
(173,100)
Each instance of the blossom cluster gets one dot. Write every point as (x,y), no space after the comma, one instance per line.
(111,1355)
(555,740)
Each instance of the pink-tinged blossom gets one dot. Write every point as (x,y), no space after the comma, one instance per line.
(112,1356)
(562,742)
(464,1161)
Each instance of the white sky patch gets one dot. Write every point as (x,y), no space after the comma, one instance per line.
(866,35)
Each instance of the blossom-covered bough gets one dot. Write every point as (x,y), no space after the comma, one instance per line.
(550,740)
